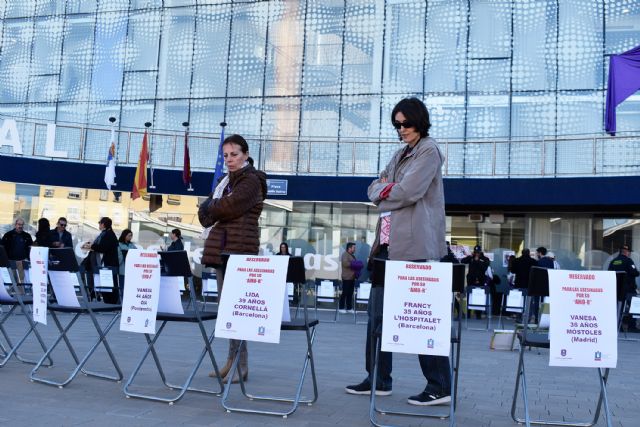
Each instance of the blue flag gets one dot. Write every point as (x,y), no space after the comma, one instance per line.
(219,162)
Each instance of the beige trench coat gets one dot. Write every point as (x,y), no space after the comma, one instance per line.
(416,203)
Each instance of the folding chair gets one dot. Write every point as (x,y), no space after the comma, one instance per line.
(175,264)
(209,288)
(457,286)
(296,273)
(478,298)
(512,302)
(13,299)
(105,279)
(63,274)
(361,297)
(326,292)
(539,287)
(626,307)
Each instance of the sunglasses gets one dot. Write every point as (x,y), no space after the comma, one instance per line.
(62,225)
(406,124)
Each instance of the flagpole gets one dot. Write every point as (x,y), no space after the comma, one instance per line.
(148,125)
(186,145)
(113,132)
(217,173)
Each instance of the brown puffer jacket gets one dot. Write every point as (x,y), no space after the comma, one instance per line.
(235,216)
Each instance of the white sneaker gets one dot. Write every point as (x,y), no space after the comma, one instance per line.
(351,311)
(341,311)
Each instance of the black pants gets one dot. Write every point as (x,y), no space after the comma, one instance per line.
(346,297)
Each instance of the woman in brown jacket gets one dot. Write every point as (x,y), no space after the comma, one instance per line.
(232,211)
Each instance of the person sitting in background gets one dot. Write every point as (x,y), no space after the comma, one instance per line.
(176,241)
(17,242)
(60,236)
(43,235)
(124,244)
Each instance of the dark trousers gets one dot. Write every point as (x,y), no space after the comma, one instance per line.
(435,369)
(346,297)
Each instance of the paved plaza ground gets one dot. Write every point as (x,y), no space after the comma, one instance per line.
(485,386)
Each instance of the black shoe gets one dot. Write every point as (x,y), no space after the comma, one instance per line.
(364,388)
(427,398)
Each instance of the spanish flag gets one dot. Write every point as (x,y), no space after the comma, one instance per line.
(140,181)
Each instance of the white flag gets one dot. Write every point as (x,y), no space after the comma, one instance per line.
(110,171)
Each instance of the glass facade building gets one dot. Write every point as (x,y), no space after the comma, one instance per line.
(308,81)
(305,70)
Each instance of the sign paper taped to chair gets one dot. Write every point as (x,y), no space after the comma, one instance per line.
(417,308)
(477,299)
(39,265)
(583,330)
(64,284)
(252,300)
(141,292)
(634,307)
(515,301)
(170,300)
(6,277)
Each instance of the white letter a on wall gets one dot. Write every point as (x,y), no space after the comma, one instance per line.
(9,136)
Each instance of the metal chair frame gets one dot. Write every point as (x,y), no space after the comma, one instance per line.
(454,355)
(486,306)
(318,298)
(177,264)
(14,301)
(539,286)
(296,268)
(64,260)
(361,301)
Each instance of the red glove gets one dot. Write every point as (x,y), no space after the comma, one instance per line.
(386,190)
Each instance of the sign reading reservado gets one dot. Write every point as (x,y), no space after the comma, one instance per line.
(252,298)
(417,308)
(583,330)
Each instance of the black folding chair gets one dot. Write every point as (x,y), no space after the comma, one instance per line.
(624,307)
(326,293)
(361,298)
(296,273)
(11,298)
(486,306)
(457,286)
(64,261)
(539,287)
(176,264)
(209,288)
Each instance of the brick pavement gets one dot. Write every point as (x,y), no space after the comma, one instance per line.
(486,383)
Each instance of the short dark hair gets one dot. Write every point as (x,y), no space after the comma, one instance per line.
(62,219)
(177,233)
(349,245)
(542,250)
(415,112)
(238,140)
(123,235)
(106,221)
(526,252)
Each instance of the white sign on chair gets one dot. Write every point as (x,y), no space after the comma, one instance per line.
(417,308)
(141,292)
(39,265)
(251,304)
(583,331)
